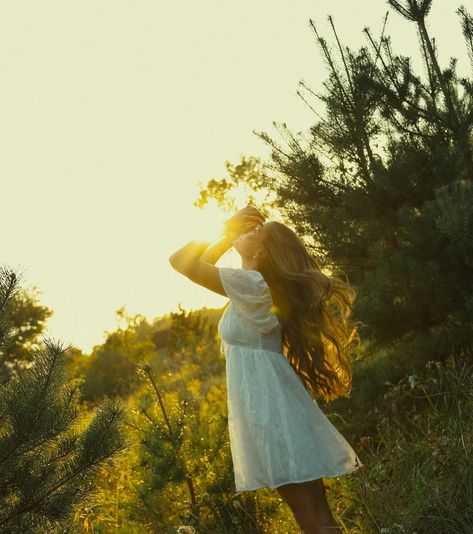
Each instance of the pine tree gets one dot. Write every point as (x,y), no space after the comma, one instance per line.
(47,457)
(381,187)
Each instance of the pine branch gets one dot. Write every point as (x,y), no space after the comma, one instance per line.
(377,49)
(467,29)
(316,113)
(342,55)
(446,90)
(50,354)
(147,370)
(8,291)
(63,481)
(333,69)
(401,96)
(415,10)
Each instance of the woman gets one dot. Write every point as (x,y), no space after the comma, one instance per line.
(286,339)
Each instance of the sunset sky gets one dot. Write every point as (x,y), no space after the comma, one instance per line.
(113,112)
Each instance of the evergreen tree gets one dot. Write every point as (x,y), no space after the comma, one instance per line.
(381,187)
(47,455)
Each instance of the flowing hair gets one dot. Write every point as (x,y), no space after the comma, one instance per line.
(314,310)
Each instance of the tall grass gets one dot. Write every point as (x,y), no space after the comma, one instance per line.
(419,468)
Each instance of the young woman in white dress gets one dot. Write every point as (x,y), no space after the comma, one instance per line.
(286,341)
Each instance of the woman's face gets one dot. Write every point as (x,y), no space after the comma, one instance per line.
(252,241)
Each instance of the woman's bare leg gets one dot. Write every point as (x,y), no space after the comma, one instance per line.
(308,503)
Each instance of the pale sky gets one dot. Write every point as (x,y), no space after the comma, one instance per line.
(112,112)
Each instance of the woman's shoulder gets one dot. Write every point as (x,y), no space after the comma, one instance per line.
(245,281)
(250,296)
(256,275)
(256,279)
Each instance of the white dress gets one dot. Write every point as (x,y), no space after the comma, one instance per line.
(278,433)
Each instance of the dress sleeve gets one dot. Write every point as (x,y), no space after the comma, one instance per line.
(250,297)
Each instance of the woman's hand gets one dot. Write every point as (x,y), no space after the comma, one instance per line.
(243,221)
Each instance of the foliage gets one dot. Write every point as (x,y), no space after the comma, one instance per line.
(47,456)
(27,321)
(178,470)
(381,187)
(419,474)
(111,369)
(249,173)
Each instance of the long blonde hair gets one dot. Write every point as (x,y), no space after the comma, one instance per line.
(314,310)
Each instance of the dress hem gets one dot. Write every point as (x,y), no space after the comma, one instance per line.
(357,466)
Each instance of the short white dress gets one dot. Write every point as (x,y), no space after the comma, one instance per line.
(278,434)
